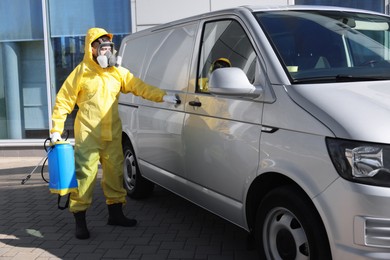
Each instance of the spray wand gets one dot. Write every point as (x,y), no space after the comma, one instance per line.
(44,159)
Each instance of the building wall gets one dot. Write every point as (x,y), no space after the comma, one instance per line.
(148,13)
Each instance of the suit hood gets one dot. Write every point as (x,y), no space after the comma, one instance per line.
(92,35)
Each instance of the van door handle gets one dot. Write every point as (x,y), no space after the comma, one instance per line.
(195,103)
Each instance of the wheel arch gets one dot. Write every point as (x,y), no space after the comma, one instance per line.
(128,138)
(258,189)
(136,185)
(263,184)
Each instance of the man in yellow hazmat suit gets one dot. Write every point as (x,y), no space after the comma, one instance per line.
(95,85)
(217,64)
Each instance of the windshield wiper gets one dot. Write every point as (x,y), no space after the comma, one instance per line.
(342,78)
(339,78)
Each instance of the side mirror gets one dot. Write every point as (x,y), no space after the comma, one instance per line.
(232,82)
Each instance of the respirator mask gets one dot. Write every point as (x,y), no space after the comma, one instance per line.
(107,59)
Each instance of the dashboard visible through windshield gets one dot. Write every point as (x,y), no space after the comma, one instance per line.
(329,46)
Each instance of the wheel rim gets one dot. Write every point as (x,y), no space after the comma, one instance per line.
(284,237)
(129,171)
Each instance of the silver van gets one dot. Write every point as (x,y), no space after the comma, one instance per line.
(283,127)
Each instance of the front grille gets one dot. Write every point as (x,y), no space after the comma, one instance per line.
(377,232)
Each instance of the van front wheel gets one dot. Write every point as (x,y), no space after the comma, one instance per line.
(288,227)
(136,186)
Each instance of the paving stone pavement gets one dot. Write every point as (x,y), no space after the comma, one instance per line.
(31,226)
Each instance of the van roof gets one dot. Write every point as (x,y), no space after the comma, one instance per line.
(254,8)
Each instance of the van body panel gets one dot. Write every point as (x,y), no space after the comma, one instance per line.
(159,139)
(348,103)
(157,121)
(174,45)
(221,149)
(285,113)
(316,132)
(175,183)
(221,205)
(129,119)
(304,155)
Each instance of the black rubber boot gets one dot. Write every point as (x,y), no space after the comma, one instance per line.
(81,225)
(116,217)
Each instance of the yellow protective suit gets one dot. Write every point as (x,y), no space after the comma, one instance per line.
(218,63)
(97,127)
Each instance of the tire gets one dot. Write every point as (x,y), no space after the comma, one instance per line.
(288,227)
(136,186)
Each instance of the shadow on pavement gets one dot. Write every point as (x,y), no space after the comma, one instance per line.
(169,227)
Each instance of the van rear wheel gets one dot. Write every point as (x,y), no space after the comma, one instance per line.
(288,227)
(136,186)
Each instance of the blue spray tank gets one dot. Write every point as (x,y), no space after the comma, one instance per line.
(62,172)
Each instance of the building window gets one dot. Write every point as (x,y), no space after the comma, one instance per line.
(23,99)
(24,107)
(373,5)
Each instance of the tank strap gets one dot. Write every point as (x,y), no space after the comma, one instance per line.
(66,203)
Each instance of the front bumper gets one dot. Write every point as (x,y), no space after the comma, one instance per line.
(357,220)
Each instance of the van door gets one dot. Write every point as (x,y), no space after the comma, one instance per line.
(166,57)
(221,134)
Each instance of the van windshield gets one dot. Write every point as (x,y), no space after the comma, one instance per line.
(329,46)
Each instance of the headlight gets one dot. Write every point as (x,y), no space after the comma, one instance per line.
(367,163)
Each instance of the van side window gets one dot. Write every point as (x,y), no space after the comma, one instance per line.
(224,44)
(135,55)
(163,59)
